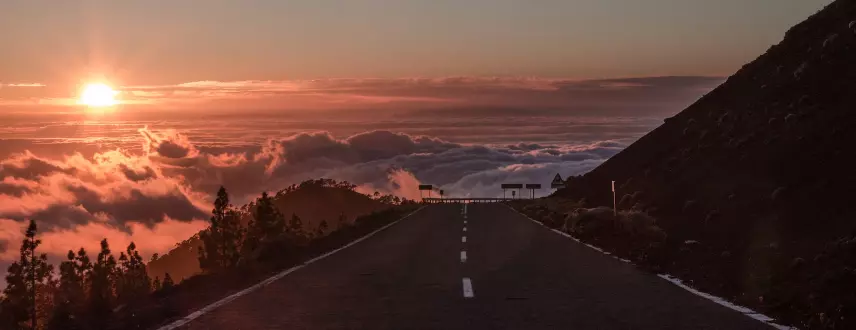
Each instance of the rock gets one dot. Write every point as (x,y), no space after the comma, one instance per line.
(800,70)
(830,40)
(711,216)
(797,263)
(790,117)
(689,206)
(777,194)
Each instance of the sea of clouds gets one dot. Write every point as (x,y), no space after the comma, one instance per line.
(147,175)
(134,182)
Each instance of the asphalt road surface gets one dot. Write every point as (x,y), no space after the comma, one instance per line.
(494,269)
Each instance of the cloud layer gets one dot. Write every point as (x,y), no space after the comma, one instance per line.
(158,192)
(625,96)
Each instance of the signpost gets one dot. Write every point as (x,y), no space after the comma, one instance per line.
(505,186)
(557,182)
(532,187)
(425,187)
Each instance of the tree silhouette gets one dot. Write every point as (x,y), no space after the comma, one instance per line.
(133,281)
(70,294)
(15,304)
(295,225)
(222,239)
(268,221)
(322,229)
(24,281)
(156,284)
(341,222)
(168,284)
(102,281)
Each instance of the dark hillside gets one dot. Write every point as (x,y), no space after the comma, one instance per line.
(758,175)
(311,202)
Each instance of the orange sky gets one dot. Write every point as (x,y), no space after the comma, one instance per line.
(142,43)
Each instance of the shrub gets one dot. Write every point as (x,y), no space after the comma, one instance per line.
(588,222)
(591,222)
(637,223)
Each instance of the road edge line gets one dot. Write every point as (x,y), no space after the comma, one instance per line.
(212,306)
(748,312)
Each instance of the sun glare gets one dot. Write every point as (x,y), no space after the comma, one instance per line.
(98,95)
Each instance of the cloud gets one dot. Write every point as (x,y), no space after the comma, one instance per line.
(623,96)
(23,85)
(164,185)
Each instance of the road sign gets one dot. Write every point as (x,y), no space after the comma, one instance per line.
(557,182)
(426,187)
(512,186)
(533,186)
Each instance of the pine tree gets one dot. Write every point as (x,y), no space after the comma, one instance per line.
(156,284)
(341,222)
(133,280)
(15,302)
(168,284)
(27,280)
(70,295)
(295,225)
(269,221)
(101,288)
(222,239)
(322,229)
(211,253)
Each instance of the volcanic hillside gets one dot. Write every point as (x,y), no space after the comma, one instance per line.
(757,179)
(309,201)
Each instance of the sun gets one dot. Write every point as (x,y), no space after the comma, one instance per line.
(98,95)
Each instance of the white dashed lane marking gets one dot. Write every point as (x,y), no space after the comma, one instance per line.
(463,256)
(468,288)
(463,239)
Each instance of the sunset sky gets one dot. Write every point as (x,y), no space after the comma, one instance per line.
(161,44)
(463,94)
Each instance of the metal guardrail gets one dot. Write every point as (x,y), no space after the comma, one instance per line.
(465,200)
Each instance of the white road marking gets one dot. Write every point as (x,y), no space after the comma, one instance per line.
(676,281)
(463,239)
(740,309)
(468,288)
(192,316)
(463,256)
(465,222)
(465,228)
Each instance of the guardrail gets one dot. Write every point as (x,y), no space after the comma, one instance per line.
(465,200)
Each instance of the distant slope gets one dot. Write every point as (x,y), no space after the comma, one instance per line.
(312,203)
(759,171)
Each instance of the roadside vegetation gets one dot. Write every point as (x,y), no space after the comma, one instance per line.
(240,247)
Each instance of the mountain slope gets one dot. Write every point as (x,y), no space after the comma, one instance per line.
(759,172)
(312,203)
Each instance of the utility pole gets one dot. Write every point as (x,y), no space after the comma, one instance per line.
(614,204)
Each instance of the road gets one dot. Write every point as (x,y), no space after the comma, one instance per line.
(516,275)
